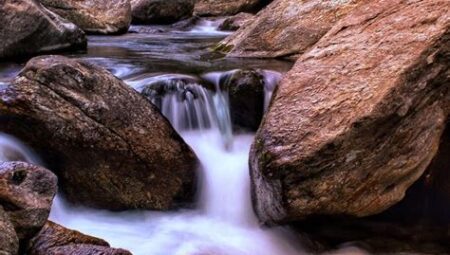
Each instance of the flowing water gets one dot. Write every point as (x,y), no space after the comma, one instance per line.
(179,75)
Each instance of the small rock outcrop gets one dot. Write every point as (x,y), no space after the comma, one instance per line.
(225,7)
(26,195)
(237,21)
(161,11)
(246,94)
(359,117)
(286,28)
(28,28)
(56,239)
(108,145)
(94,16)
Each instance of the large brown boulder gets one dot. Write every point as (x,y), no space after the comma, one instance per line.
(108,145)
(28,28)
(359,117)
(56,239)
(237,21)
(286,28)
(9,242)
(94,16)
(26,194)
(161,11)
(225,7)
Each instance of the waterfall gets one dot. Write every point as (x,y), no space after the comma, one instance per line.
(11,149)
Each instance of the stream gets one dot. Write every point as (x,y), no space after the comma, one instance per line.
(223,222)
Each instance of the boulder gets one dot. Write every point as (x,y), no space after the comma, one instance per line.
(26,194)
(225,7)
(161,11)
(28,28)
(9,242)
(237,21)
(56,239)
(94,16)
(286,27)
(246,94)
(359,117)
(108,145)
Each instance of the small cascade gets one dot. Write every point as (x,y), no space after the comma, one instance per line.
(271,80)
(188,102)
(11,149)
(209,26)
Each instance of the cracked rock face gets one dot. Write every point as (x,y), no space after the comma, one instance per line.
(94,16)
(26,195)
(359,117)
(56,239)
(108,145)
(28,28)
(286,28)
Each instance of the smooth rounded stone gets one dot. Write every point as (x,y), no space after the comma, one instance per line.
(54,238)
(28,28)
(161,11)
(26,194)
(94,16)
(186,24)
(246,94)
(225,7)
(237,21)
(9,242)
(359,117)
(286,27)
(108,145)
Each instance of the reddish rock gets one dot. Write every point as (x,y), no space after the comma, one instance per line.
(94,16)
(237,21)
(359,117)
(56,239)
(161,12)
(26,194)
(225,7)
(9,242)
(28,28)
(286,28)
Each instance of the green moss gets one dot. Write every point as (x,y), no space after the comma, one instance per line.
(223,48)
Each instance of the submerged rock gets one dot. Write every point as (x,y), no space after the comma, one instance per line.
(225,7)
(108,145)
(161,11)
(246,94)
(237,21)
(359,117)
(28,28)
(286,27)
(56,239)
(9,242)
(26,194)
(94,16)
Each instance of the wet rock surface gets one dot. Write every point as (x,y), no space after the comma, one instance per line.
(246,94)
(286,27)
(94,16)
(359,117)
(161,12)
(108,145)
(56,239)
(26,194)
(28,29)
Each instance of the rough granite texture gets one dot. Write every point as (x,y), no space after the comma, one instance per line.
(26,195)
(286,27)
(359,117)
(108,145)
(94,16)
(224,7)
(28,28)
